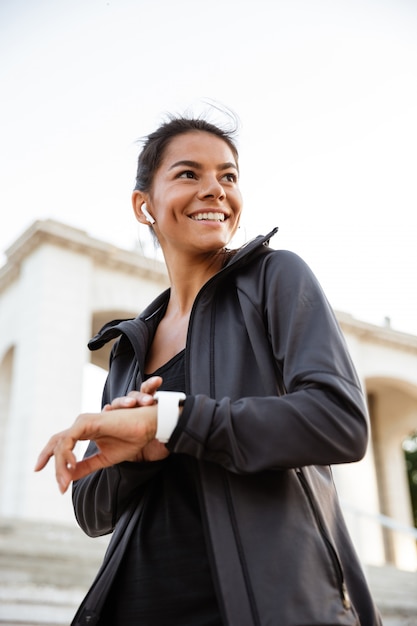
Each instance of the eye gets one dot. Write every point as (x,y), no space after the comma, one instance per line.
(231,177)
(187,174)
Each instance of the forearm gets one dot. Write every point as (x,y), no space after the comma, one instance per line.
(313,426)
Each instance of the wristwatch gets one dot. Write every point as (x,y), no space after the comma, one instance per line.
(168,405)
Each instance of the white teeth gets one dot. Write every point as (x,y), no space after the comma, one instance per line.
(219,217)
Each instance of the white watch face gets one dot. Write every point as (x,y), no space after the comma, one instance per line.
(168,413)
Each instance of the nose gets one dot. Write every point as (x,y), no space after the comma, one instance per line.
(211,188)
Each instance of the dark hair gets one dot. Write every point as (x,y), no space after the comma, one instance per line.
(155,145)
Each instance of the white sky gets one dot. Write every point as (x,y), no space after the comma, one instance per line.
(326,91)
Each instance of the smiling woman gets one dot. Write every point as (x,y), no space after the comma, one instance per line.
(226,401)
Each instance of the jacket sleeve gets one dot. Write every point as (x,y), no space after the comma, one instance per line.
(100,498)
(316,415)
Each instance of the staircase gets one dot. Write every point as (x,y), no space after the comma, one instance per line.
(46,569)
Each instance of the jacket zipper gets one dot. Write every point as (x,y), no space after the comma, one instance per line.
(236,261)
(328,544)
(240,550)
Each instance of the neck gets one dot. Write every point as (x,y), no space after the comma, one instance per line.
(187,276)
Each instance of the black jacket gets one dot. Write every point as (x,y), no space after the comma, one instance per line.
(272,401)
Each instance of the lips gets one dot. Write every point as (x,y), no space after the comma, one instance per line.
(212,216)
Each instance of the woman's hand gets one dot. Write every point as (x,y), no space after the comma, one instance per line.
(121,434)
(144,397)
(154,450)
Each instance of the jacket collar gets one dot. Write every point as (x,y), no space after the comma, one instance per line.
(244,252)
(152,314)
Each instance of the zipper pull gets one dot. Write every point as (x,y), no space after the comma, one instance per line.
(345,598)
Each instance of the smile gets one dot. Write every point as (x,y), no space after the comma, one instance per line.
(216,217)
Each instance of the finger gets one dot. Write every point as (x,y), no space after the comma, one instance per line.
(62,444)
(145,399)
(42,460)
(65,463)
(151,385)
(134,398)
(46,453)
(64,476)
(123,402)
(88,466)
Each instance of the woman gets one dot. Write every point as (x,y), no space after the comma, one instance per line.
(220,495)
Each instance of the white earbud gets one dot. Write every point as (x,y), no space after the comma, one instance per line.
(147,214)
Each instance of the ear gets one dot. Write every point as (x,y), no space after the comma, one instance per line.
(138,200)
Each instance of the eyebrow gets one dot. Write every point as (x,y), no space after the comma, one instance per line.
(198,166)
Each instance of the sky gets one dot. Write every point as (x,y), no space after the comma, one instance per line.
(325,91)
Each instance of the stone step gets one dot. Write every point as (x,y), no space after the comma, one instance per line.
(46,569)
(37,605)
(395,593)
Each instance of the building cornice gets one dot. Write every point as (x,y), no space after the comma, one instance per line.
(383,335)
(104,254)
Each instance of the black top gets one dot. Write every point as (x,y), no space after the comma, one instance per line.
(165,578)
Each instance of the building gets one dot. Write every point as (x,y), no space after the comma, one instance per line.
(57,288)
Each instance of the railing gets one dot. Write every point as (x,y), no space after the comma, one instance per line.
(382,520)
(401,552)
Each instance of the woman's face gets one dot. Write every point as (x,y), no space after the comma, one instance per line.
(195,198)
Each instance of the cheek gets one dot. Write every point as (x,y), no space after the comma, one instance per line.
(169,199)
